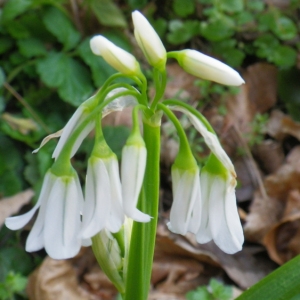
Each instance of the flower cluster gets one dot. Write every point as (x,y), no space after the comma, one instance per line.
(204,198)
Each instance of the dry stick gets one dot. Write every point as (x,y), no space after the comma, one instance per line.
(255,175)
(27,106)
(75,11)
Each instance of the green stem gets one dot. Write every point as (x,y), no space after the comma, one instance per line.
(143,234)
(160,79)
(174,102)
(185,158)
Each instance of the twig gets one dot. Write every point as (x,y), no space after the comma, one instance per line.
(27,106)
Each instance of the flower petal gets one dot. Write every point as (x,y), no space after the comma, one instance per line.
(98,199)
(185,195)
(132,173)
(224,220)
(204,233)
(62,220)
(18,222)
(116,217)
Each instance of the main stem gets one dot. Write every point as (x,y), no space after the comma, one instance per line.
(143,234)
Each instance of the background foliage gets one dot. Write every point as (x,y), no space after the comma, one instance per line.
(47,69)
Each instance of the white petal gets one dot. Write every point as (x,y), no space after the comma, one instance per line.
(116,217)
(225,235)
(132,173)
(195,221)
(67,130)
(82,136)
(210,139)
(185,195)
(118,58)
(148,40)
(97,200)
(204,233)
(18,222)
(61,241)
(206,67)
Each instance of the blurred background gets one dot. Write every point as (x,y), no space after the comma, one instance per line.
(47,70)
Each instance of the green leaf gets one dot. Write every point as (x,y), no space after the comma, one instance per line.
(285,28)
(219,290)
(285,56)
(182,32)
(108,13)
(31,47)
(266,21)
(255,5)
(282,284)
(5,44)
(217,29)
(116,137)
(183,8)
(18,31)
(244,17)
(136,4)
(232,6)
(72,79)
(61,27)
(201,293)
(266,46)
(101,70)
(2,77)
(14,8)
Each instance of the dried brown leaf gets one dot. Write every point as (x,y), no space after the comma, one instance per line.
(282,241)
(55,280)
(11,205)
(264,213)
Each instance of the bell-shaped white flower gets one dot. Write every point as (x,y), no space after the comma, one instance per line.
(118,58)
(149,41)
(220,220)
(103,196)
(58,222)
(186,192)
(206,67)
(82,113)
(133,166)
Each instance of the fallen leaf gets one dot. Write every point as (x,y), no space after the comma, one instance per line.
(11,205)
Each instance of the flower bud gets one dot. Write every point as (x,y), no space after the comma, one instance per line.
(149,41)
(206,67)
(118,58)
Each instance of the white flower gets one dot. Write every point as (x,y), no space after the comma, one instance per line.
(82,113)
(58,222)
(132,174)
(186,192)
(220,220)
(217,218)
(118,58)
(103,197)
(206,67)
(149,41)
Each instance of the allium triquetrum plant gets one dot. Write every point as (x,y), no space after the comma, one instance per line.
(117,214)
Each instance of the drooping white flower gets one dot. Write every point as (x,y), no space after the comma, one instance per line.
(82,113)
(206,67)
(118,58)
(58,222)
(132,175)
(149,41)
(217,218)
(186,192)
(220,220)
(103,197)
